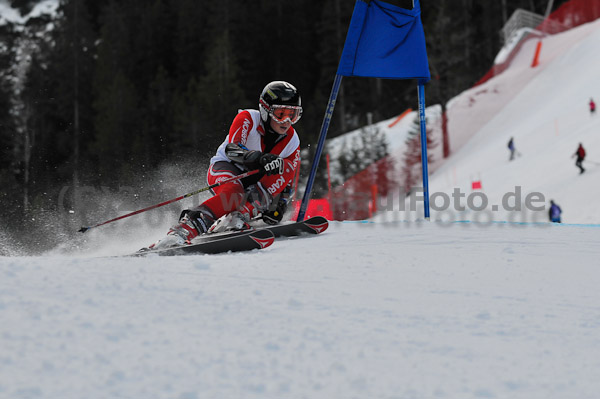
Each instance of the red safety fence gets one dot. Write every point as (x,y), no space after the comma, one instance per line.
(356,199)
(570,15)
(567,16)
(316,207)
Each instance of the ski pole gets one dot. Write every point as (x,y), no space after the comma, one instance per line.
(234,178)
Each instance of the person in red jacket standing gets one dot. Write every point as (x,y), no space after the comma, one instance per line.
(580,154)
(262,140)
(592,106)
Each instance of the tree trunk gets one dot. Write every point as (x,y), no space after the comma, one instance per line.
(75,102)
(27,146)
(445,135)
(340,40)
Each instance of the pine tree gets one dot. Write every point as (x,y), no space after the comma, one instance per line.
(115,98)
(363,150)
(72,67)
(155,59)
(190,41)
(46,100)
(220,91)
(187,121)
(24,6)
(10,193)
(411,166)
(6,120)
(153,142)
(116,127)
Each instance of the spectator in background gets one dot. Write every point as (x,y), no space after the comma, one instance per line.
(554,212)
(580,154)
(592,106)
(511,147)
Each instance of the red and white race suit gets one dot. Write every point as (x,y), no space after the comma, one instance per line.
(247,130)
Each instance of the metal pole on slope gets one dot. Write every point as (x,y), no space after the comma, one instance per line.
(421,92)
(324,127)
(545,23)
(548,9)
(424,167)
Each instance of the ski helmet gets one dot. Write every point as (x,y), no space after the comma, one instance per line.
(280,101)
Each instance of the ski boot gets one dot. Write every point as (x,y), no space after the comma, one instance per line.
(192,223)
(257,201)
(234,221)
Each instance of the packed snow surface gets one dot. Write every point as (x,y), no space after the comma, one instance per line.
(366,310)
(546,110)
(391,308)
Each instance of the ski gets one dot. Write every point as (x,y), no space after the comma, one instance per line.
(313,225)
(246,240)
(232,242)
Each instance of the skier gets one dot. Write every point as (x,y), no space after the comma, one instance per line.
(592,106)
(511,147)
(263,140)
(580,154)
(554,212)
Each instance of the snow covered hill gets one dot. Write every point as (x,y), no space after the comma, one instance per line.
(367,310)
(546,110)
(381,309)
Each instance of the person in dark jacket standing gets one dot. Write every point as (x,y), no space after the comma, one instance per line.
(554,212)
(511,147)
(580,154)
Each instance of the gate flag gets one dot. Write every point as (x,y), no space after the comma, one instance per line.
(385,41)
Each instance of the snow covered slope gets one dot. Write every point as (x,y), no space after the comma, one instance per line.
(364,311)
(546,111)
(367,310)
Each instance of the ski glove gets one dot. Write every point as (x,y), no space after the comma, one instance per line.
(274,217)
(241,155)
(271,164)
